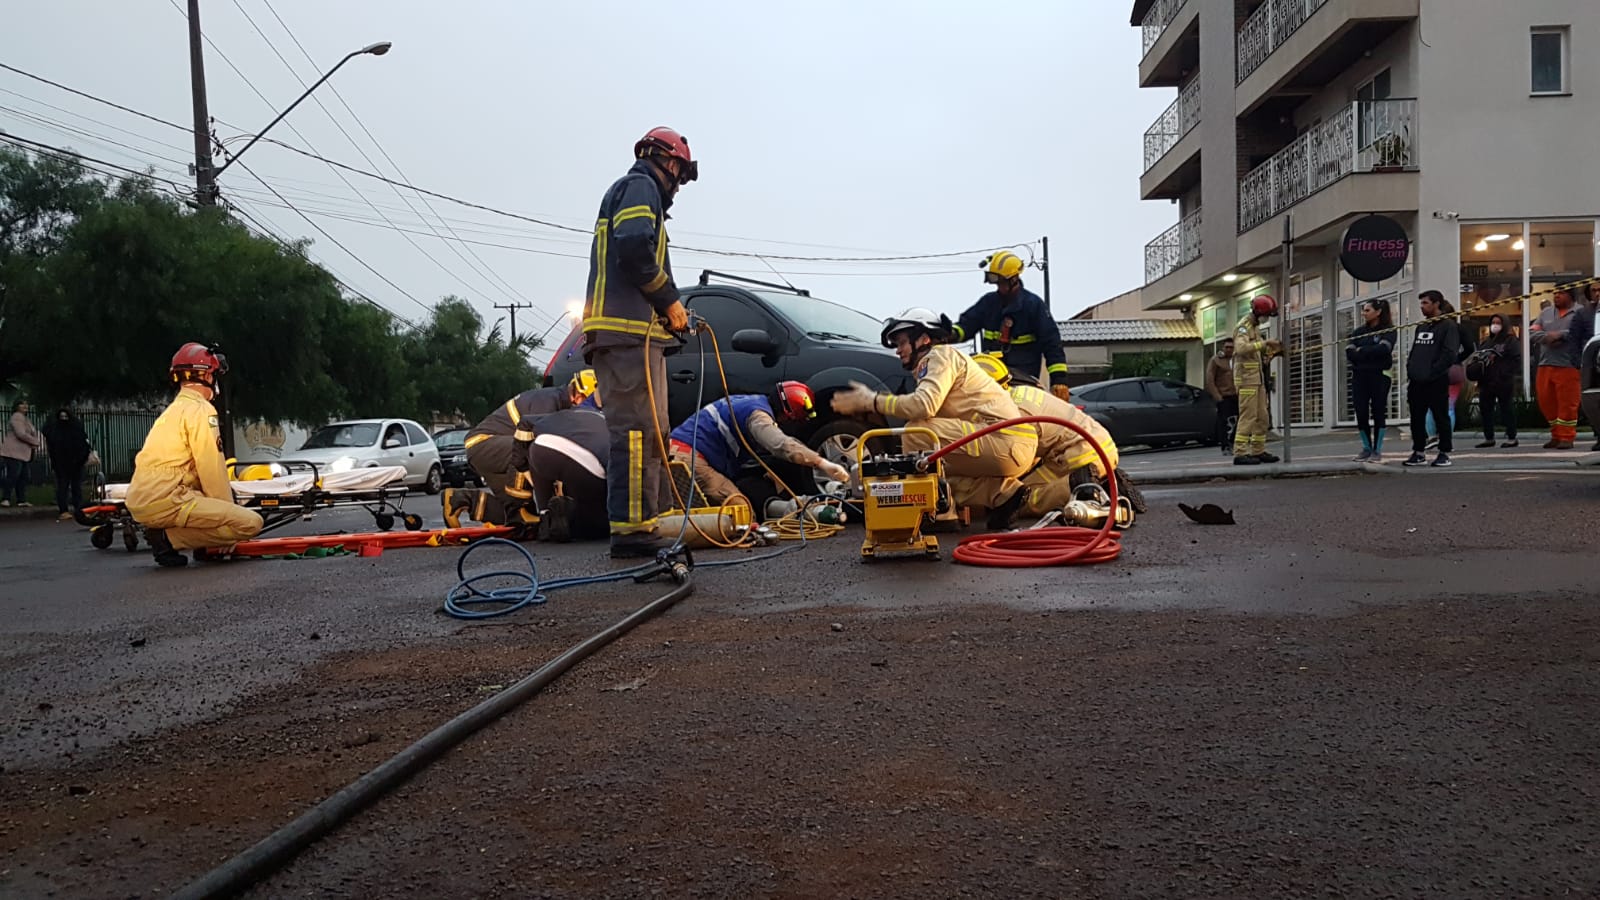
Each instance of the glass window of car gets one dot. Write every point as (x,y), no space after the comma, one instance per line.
(1087,395)
(357,434)
(417,435)
(395,434)
(1122,392)
(730,315)
(825,320)
(454,439)
(1169,392)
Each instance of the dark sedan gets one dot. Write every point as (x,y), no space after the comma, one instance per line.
(453,455)
(1156,412)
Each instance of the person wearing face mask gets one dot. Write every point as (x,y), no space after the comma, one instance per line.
(1370,353)
(1557,339)
(1222,388)
(1494,366)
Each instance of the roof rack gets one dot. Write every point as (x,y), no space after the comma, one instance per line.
(707,274)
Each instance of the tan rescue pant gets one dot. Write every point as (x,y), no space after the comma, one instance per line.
(195,520)
(1250,439)
(983,473)
(712,483)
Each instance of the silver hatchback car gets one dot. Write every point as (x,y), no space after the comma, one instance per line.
(367,443)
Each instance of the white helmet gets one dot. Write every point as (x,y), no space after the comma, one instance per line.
(936,325)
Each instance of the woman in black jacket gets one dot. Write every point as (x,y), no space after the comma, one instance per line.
(1495,365)
(69,450)
(1371,356)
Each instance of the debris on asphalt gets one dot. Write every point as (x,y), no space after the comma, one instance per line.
(837,626)
(136,642)
(633,685)
(1208,514)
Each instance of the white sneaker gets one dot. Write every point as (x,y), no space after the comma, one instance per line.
(24,505)
(5,503)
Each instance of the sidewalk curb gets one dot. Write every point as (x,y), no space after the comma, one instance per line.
(28,515)
(1193,474)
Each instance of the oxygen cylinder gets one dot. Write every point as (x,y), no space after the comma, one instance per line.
(719,525)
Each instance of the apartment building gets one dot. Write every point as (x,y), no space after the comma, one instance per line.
(1473,123)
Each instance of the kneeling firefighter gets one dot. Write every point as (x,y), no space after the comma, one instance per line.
(493,449)
(564,471)
(709,444)
(1065,459)
(180,491)
(953,398)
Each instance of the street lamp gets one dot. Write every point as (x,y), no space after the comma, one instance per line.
(378,49)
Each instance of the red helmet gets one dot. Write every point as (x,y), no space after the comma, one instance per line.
(664,141)
(197,362)
(793,401)
(1264,305)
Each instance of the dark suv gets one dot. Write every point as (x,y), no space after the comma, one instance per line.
(768,333)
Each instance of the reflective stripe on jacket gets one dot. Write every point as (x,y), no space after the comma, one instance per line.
(182,455)
(504,419)
(630,274)
(1020,329)
(711,430)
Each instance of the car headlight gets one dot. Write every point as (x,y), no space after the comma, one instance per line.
(342,464)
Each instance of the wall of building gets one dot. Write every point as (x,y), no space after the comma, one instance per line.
(1219,180)
(1489,150)
(1397,54)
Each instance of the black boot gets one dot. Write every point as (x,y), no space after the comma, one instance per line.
(1126,488)
(1001,516)
(644,545)
(165,555)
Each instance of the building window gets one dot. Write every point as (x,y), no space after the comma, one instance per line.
(1549,58)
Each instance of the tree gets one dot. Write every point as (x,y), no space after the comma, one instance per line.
(456,374)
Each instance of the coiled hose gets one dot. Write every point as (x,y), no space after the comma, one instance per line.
(1069,546)
(468,601)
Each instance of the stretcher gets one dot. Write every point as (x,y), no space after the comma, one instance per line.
(283,491)
(368,544)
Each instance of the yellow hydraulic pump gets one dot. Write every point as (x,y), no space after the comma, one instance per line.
(899,492)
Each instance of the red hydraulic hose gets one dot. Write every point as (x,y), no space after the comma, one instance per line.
(1069,546)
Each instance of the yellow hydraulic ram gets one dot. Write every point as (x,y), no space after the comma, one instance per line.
(899,491)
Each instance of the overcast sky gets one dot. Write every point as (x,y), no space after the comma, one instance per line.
(823,129)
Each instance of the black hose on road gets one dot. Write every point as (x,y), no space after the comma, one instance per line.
(245,869)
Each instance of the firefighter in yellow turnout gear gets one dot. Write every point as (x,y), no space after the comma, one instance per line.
(1065,460)
(1251,356)
(953,398)
(180,491)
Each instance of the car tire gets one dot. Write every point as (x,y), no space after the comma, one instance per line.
(435,482)
(836,442)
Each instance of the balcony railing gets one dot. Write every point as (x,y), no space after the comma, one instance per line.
(1176,247)
(1366,136)
(1266,30)
(1170,127)
(1156,21)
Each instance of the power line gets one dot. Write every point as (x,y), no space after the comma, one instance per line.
(519,216)
(453,276)
(62,153)
(385,153)
(56,84)
(102,124)
(64,128)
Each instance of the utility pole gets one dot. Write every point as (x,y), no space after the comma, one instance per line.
(512,308)
(205,178)
(1046,267)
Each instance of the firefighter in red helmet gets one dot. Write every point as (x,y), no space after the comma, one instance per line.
(1251,356)
(180,491)
(630,310)
(714,443)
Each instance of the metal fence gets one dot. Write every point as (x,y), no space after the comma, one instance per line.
(1176,247)
(1178,120)
(1266,29)
(1156,20)
(116,436)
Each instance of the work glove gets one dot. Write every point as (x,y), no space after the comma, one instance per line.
(857,399)
(1062,391)
(1274,347)
(677,318)
(948,327)
(834,471)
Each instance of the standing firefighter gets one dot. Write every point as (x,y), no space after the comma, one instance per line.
(1251,356)
(180,491)
(953,398)
(630,287)
(1014,323)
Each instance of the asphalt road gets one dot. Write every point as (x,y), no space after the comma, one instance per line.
(1370,686)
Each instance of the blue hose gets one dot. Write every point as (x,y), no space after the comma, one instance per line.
(459,600)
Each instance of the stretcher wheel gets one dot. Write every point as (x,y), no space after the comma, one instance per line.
(384,521)
(412,521)
(100,536)
(130,539)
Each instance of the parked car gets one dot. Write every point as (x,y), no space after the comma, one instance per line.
(1589,375)
(768,333)
(1156,412)
(452,447)
(367,443)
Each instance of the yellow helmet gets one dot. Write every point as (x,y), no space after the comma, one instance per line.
(1001,266)
(994,367)
(583,383)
